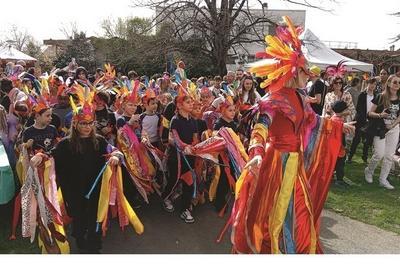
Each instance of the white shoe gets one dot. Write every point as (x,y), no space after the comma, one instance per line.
(368,176)
(187,216)
(386,184)
(168,206)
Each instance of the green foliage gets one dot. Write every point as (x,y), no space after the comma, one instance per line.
(81,49)
(129,45)
(33,49)
(126,28)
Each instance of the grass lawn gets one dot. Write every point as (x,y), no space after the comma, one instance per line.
(18,246)
(368,203)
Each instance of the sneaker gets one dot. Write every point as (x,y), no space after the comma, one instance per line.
(168,206)
(368,176)
(386,184)
(187,216)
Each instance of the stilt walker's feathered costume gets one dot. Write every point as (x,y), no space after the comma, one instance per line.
(278,206)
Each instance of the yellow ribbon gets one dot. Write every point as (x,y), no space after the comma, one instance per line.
(281,204)
(214,183)
(105,199)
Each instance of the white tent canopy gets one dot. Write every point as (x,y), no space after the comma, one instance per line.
(7,52)
(317,53)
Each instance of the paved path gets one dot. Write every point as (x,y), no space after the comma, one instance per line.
(342,235)
(165,233)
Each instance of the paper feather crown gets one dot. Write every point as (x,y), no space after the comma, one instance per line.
(86,110)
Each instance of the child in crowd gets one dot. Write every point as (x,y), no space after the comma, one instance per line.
(338,108)
(105,119)
(41,136)
(129,107)
(150,121)
(227,109)
(182,136)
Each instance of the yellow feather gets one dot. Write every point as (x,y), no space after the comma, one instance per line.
(292,29)
(73,106)
(280,71)
(277,48)
(25,89)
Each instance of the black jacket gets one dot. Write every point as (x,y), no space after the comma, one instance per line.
(361,108)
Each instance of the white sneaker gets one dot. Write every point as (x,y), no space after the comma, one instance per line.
(386,184)
(187,216)
(368,176)
(168,206)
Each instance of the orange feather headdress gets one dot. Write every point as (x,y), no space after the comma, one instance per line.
(40,104)
(285,57)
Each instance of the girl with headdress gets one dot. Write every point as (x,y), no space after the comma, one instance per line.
(80,160)
(282,190)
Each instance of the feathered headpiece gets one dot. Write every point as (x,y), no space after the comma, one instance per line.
(194,92)
(131,95)
(337,71)
(182,91)
(205,91)
(86,110)
(109,76)
(227,101)
(148,94)
(286,57)
(39,104)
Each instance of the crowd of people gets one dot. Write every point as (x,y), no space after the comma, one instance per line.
(86,147)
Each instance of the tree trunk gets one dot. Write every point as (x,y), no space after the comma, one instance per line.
(220,63)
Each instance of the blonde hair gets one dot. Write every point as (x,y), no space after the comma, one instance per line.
(294,82)
(385,99)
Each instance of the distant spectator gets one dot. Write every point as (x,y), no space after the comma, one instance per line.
(354,89)
(317,91)
(382,78)
(133,75)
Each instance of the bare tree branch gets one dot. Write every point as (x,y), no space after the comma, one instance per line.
(18,37)
(306,3)
(70,30)
(221,24)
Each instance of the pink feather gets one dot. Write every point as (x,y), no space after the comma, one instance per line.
(337,71)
